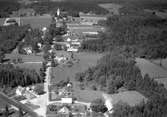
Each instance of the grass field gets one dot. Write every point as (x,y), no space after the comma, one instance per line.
(86,60)
(35,66)
(153,69)
(87,95)
(25,58)
(34,21)
(132,98)
(62,73)
(111,7)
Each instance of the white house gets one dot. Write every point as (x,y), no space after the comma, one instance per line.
(66,100)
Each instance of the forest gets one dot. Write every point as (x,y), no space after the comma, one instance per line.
(10,36)
(7,7)
(115,71)
(138,35)
(12,76)
(70,6)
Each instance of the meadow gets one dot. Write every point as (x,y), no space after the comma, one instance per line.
(153,69)
(34,21)
(86,60)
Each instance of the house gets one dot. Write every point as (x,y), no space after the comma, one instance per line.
(64,110)
(11,21)
(66,100)
(25,91)
(85,29)
(28,50)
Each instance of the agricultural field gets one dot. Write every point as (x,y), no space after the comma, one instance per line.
(132,98)
(26,58)
(111,7)
(153,69)
(87,95)
(86,60)
(35,66)
(34,21)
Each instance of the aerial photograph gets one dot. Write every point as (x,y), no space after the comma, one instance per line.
(83,58)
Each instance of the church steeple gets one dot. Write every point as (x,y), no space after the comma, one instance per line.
(58,12)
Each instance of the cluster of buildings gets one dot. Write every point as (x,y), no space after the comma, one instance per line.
(78,28)
(27,92)
(62,103)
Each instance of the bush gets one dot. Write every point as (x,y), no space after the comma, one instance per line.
(39,89)
(97,105)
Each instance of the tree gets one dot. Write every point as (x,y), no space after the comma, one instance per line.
(98,105)
(2,56)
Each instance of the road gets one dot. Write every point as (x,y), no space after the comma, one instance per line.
(18,105)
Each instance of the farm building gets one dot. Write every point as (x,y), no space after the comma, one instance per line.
(91,19)
(85,29)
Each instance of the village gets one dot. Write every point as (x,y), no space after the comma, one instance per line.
(58,98)
(72,58)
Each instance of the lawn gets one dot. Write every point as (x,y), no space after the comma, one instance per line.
(34,21)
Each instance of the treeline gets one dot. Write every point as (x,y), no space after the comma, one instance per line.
(138,35)
(115,71)
(70,6)
(12,76)
(10,36)
(7,7)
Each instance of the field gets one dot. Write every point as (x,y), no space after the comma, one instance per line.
(25,58)
(153,69)
(132,98)
(86,60)
(29,61)
(87,95)
(111,7)
(34,66)
(63,72)
(34,21)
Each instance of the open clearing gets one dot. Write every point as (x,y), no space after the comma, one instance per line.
(33,66)
(25,58)
(87,95)
(86,60)
(132,98)
(34,21)
(153,69)
(111,7)
(63,72)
